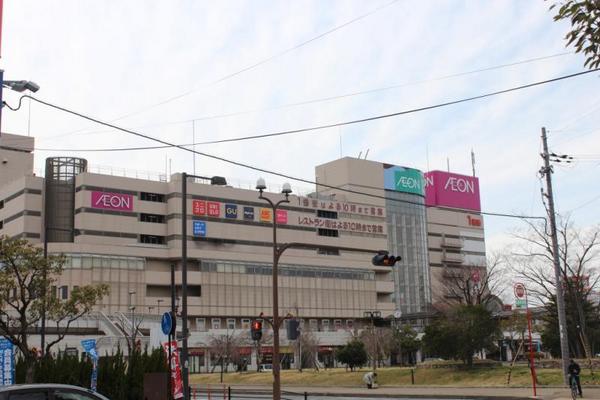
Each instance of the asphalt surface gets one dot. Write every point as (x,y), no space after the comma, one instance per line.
(217,392)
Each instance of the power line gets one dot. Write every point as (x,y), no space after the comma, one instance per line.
(248,166)
(320,127)
(335,97)
(255,65)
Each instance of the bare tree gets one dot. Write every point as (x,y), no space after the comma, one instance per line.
(307,347)
(475,284)
(379,343)
(227,348)
(533,260)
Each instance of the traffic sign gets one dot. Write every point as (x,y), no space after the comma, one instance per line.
(519,289)
(520,303)
(167,323)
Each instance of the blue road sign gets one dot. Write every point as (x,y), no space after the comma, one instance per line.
(166,323)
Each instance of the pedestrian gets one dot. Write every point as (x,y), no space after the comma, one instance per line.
(574,371)
(369,378)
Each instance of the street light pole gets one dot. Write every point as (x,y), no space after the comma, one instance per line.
(260,185)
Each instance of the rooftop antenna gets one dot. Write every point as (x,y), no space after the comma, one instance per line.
(340,133)
(427,154)
(359,154)
(194,145)
(473,160)
(448,163)
(367,153)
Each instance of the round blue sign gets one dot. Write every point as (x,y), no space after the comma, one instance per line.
(166,323)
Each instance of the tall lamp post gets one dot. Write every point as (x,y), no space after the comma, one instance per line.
(215,180)
(286,190)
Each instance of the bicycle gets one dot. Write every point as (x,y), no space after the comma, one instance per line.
(573,386)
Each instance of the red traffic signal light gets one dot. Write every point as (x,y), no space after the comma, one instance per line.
(256,330)
(382,258)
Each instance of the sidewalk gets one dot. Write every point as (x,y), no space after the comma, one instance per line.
(546,393)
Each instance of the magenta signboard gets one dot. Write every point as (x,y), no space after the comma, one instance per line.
(446,189)
(112,201)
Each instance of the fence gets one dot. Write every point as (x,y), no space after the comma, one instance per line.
(224,392)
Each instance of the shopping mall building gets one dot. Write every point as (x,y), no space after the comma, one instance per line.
(127,232)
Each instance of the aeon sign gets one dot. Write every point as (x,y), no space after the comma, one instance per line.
(112,201)
(452,190)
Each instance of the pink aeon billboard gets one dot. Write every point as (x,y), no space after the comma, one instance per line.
(112,201)
(446,189)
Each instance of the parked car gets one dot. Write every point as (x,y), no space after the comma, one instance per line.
(262,368)
(48,391)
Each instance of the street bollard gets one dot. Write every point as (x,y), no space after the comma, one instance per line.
(305,395)
(229,393)
(412,375)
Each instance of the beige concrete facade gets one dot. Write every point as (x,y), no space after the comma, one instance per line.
(455,240)
(127,233)
(229,267)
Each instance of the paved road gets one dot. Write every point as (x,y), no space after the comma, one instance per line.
(387,392)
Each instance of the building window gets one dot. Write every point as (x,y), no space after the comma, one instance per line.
(313,324)
(64,292)
(152,239)
(155,218)
(328,232)
(325,325)
(1,224)
(155,197)
(245,323)
(327,214)
(216,323)
(337,324)
(349,323)
(328,252)
(200,324)
(231,323)
(1,204)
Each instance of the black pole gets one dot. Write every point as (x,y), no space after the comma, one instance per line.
(43,327)
(184,330)
(172,336)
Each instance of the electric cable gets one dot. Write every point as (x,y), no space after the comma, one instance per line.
(327,126)
(248,166)
(335,97)
(255,65)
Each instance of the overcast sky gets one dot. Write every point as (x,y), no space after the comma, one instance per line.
(165,63)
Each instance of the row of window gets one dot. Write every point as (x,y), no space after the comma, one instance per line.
(95,261)
(285,270)
(313,324)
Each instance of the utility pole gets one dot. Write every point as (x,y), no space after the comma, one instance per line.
(560,300)
(184,299)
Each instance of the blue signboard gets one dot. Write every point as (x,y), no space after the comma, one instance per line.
(89,345)
(231,211)
(7,358)
(200,228)
(249,213)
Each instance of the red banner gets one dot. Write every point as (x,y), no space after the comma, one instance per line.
(176,380)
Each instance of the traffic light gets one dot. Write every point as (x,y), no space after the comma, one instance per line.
(256,330)
(382,258)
